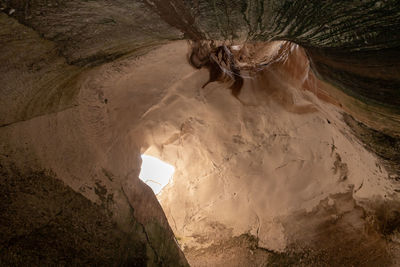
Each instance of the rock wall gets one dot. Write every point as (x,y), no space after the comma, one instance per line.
(352,45)
(280,170)
(50,123)
(86,86)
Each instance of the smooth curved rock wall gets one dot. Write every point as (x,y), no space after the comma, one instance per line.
(58,113)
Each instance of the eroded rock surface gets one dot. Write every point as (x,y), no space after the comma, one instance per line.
(44,222)
(86,86)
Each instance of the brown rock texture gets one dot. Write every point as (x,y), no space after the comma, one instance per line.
(300,168)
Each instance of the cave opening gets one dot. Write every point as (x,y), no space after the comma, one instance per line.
(155,173)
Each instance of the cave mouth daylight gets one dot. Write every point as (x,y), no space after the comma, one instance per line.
(155,173)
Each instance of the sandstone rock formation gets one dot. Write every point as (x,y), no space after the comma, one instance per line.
(301,169)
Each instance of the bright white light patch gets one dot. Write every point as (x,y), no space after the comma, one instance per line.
(155,173)
(236,47)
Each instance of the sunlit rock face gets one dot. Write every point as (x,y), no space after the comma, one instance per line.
(301,168)
(278,170)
